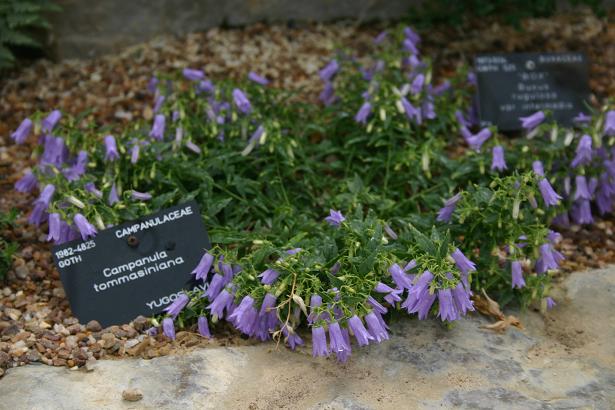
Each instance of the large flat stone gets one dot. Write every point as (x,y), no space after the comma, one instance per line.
(564,360)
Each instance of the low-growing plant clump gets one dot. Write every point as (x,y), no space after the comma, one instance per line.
(385,196)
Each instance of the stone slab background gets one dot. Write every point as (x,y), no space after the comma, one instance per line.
(87,28)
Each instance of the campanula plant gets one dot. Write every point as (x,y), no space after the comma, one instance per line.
(386,195)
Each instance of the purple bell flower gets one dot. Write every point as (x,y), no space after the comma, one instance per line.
(258,79)
(140,196)
(376,306)
(547,259)
(292,338)
(215,286)
(241,101)
(223,301)
(27,183)
(86,229)
(609,124)
(113,196)
(294,251)
(158,103)
(379,39)
(532,121)
(538,168)
(517,275)
(375,328)
(203,327)
(463,263)
(152,84)
(157,131)
(227,271)
(338,342)
(582,191)
(111,153)
(54,151)
(440,89)
(461,119)
(335,218)
(428,110)
(582,213)
(410,265)
(476,141)
(412,113)
(411,35)
(550,302)
(267,318)
(269,276)
(582,118)
(193,75)
(55,227)
(152,331)
(498,162)
(549,196)
(244,316)
(401,279)
(22,132)
(39,214)
(177,305)
(554,237)
(46,195)
(315,302)
(327,73)
(360,332)
(168,328)
(584,152)
(417,84)
(423,305)
(408,45)
(462,300)
(78,169)
(206,86)
(419,299)
(319,342)
(49,123)
(91,188)
(327,95)
(363,113)
(203,267)
(447,311)
(445,213)
(592,185)
(134,154)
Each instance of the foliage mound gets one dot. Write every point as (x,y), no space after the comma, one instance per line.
(384,196)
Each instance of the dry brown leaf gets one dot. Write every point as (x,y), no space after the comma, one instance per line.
(503,325)
(489,307)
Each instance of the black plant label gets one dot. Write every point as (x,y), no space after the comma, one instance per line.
(136,268)
(516,85)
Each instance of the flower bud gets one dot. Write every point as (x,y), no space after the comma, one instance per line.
(554,134)
(99,222)
(516,205)
(74,201)
(568,138)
